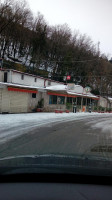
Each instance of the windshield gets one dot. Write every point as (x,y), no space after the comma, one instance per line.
(55,86)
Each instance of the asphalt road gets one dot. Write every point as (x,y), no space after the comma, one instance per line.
(79,137)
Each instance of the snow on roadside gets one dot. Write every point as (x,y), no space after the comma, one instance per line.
(104,125)
(13,125)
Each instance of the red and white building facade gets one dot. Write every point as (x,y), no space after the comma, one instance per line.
(21,92)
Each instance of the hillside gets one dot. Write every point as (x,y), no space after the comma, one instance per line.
(29,44)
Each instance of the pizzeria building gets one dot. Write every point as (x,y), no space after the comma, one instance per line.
(66,96)
(22,93)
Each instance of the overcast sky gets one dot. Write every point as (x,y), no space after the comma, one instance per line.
(93,17)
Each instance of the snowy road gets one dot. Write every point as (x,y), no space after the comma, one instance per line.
(51,133)
(14,125)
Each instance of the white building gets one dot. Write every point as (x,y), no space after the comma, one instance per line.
(21,92)
(17,77)
(63,96)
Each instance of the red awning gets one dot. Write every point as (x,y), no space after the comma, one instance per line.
(21,90)
(70,95)
(58,94)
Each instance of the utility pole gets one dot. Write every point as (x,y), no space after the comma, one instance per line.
(101,86)
(98,49)
(98,66)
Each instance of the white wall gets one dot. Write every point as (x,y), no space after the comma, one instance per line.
(17,102)
(15,77)
(102,102)
(1,76)
(9,76)
(28,80)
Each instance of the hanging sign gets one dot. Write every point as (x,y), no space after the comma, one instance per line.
(68,77)
(87,89)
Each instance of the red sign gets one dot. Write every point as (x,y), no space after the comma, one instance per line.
(68,77)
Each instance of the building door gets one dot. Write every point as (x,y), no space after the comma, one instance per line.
(18,102)
(5,101)
(5,76)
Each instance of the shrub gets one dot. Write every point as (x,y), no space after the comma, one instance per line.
(68,105)
(40,103)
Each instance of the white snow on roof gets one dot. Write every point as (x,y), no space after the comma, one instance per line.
(110,98)
(57,87)
(17,85)
(82,94)
(65,87)
(78,90)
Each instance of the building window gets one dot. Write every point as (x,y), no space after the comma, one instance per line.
(35,79)
(22,76)
(88,102)
(79,101)
(33,95)
(5,76)
(56,99)
(60,100)
(52,99)
(69,100)
(84,101)
(49,82)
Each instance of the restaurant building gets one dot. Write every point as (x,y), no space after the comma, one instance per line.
(65,97)
(22,92)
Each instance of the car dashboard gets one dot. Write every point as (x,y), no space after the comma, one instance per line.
(55,187)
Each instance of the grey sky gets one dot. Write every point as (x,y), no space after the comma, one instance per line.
(92,17)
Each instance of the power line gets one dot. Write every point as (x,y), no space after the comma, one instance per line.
(102,76)
(72,61)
